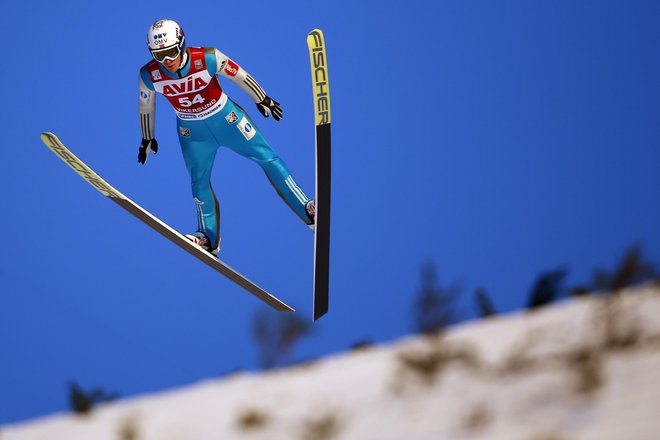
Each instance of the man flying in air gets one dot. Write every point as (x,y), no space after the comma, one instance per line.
(208,119)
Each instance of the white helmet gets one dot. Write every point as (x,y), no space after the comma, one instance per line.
(166,40)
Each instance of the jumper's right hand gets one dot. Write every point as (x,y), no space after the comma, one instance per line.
(145,148)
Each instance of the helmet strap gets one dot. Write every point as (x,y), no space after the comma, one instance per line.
(184,58)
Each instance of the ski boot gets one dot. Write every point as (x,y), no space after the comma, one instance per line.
(310,207)
(200,239)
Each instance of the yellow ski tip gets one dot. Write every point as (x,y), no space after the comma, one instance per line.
(321,90)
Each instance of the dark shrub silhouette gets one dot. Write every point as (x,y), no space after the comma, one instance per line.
(547,288)
(276,335)
(435,306)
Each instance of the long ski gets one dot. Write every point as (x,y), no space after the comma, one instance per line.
(175,237)
(321,88)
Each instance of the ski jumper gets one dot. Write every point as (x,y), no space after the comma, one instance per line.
(208,119)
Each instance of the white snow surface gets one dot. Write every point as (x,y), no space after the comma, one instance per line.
(587,368)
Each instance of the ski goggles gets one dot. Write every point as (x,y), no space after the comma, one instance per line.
(170,53)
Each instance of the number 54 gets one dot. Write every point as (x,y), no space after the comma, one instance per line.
(186,102)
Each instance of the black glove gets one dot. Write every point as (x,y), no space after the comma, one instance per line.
(269,106)
(145,147)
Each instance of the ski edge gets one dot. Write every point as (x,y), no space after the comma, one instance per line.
(322,230)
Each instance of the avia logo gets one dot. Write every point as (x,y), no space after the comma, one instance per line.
(192,84)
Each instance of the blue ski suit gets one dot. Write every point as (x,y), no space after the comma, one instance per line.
(208,119)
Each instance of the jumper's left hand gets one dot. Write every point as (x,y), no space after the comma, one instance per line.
(147,146)
(269,106)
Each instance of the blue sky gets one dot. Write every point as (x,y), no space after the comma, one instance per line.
(496,140)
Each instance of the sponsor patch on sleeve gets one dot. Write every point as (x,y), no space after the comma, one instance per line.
(231,68)
(246,128)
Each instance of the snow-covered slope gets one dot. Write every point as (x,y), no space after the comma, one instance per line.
(583,369)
